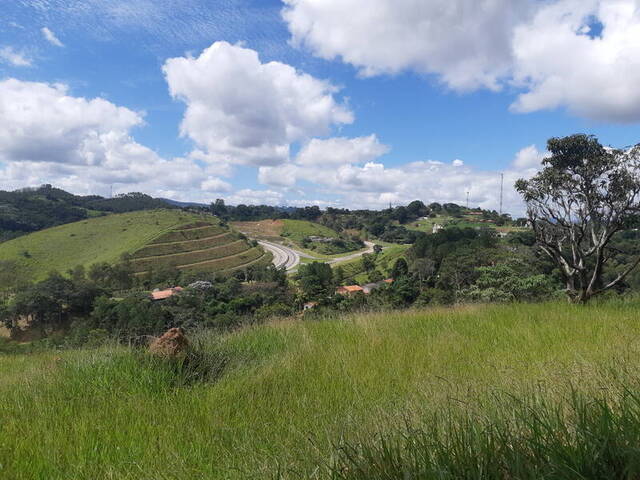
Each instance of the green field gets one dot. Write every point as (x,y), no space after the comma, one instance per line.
(101,239)
(354,272)
(466,221)
(155,238)
(281,397)
(296,230)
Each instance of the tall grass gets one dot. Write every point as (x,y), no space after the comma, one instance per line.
(273,401)
(580,437)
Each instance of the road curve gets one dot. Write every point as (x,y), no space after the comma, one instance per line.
(282,256)
(354,255)
(290,259)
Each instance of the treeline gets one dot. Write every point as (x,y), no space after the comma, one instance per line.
(32,209)
(110,301)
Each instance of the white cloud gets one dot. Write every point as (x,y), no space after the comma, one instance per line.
(373,185)
(321,157)
(85,146)
(12,57)
(51,37)
(248,112)
(594,76)
(249,196)
(341,150)
(583,55)
(529,157)
(466,42)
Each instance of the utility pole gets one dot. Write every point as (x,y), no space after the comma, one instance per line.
(501,189)
(111,192)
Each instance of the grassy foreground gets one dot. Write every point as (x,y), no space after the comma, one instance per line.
(281,398)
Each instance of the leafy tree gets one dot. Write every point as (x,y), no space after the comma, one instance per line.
(585,194)
(368,262)
(400,268)
(316,280)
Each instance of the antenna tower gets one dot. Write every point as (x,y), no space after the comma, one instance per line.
(501,190)
(467,199)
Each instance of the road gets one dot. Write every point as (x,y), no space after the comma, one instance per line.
(282,256)
(289,258)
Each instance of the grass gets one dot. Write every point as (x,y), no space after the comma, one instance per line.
(296,230)
(189,258)
(466,221)
(100,239)
(384,263)
(294,396)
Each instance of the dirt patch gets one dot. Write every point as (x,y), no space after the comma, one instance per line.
(262,230)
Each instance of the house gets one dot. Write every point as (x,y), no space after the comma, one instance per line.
(436,228)
(349,289)
(309,305)
(162,294)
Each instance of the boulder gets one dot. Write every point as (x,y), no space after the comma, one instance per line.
(172,343)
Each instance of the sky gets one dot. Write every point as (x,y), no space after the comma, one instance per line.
(346,103)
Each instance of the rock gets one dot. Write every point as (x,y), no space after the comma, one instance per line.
(171,344)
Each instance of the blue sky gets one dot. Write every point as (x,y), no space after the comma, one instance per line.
(365,102)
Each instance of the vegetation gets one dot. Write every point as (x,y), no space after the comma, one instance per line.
(585,194)
(31,209)
(291,399)
(101,239)
(153,239)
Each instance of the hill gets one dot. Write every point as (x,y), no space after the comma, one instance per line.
(282,398)
(154,237)
(297,234)
(32,209)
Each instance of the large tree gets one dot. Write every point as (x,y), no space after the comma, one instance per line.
(583,196)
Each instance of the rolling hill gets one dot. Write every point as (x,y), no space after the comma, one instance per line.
(155,238)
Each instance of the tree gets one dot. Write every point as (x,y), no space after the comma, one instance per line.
(400,268)
(368,262)
(316,280)
(584,195)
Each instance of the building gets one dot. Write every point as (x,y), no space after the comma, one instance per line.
(309,305)
(162,294)
(436,228)
(349,290)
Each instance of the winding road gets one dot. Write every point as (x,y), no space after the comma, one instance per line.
(290,259)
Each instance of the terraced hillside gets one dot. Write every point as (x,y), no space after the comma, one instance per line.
(154,237)
(198,246)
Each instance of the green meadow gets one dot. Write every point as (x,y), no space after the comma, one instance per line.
(99,239)
(333,398)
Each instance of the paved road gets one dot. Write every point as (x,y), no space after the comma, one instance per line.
(282,256)
(354,255)
(290,258)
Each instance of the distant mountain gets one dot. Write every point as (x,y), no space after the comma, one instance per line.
(32,209)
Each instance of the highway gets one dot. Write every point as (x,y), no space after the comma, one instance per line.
(289,258)
(282,256)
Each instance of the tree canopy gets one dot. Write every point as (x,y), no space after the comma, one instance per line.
(584,195)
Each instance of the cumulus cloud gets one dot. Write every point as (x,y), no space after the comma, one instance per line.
(583,55)
(356,184)
(85,145)
(466,43)
(13,57)
(51,37)
(341,150)
(248,112)
(562,62)
(321,157)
